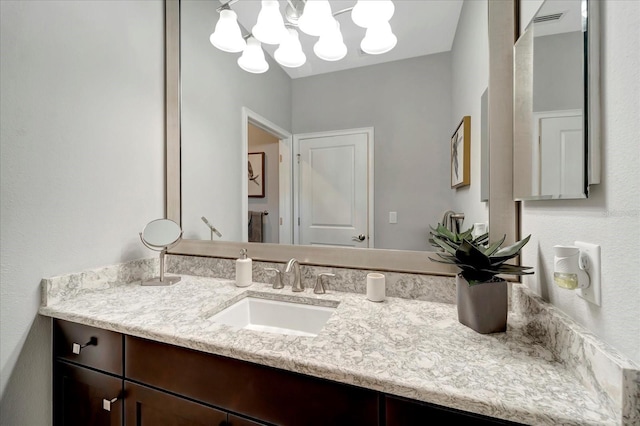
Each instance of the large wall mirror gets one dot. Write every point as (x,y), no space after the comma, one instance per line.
(556,152)
(240,144)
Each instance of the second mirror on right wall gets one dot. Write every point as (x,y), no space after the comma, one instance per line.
(556,105)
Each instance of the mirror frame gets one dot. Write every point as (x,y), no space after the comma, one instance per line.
(523,100)
(503,211)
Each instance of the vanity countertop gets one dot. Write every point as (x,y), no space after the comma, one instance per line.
(403,347)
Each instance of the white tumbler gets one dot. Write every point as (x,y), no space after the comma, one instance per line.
(375,287)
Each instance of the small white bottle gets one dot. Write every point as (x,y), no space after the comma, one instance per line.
(243,270)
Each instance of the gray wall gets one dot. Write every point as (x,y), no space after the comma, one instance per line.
(81,140)
(470,78)
(611,215)
(557,72)
(409,105)
(214,90)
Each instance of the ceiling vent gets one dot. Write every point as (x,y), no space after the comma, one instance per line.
(548,18)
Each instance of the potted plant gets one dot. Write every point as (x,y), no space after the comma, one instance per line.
(481,293)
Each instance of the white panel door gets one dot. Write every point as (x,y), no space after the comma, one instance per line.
(333,190)
(561,148)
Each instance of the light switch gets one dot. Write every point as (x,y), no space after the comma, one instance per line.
(393,217)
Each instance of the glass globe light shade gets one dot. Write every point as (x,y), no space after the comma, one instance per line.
(227,36)
(378,39)
(316,17)
(252,59)
(369,12)
(290,53)
(270,27)
(330,46)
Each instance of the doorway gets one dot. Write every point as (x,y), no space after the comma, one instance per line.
(333,187)
(261,135)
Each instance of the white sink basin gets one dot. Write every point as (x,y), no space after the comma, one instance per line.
(275,316)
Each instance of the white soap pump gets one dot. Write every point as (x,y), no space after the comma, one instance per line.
(243,270)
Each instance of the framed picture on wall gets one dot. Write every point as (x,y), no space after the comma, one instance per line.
(461,154)
(256,174)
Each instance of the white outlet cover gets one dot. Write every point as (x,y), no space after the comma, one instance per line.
(591,293)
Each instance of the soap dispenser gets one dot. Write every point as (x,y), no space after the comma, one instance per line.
(243,270)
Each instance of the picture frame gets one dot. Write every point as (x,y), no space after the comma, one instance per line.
(256,174)
(461,154)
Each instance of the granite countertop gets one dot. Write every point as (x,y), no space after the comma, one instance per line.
(403,347)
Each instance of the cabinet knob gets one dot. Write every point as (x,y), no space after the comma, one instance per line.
(77,347)
(106,403)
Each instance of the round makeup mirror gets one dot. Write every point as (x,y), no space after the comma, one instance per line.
(160,235)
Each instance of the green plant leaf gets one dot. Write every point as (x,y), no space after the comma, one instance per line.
(509,269)
(470,255)
(446,246)
(481,239)
(513,249)
(442,230)
(447,261)
(494,246)
(466,234)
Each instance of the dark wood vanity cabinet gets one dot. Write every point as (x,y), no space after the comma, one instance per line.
(87,375)
(147,383)
(403,412)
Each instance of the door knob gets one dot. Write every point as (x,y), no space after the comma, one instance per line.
(360,237)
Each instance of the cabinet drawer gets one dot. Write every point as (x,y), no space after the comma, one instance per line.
(103,349)
(268,394)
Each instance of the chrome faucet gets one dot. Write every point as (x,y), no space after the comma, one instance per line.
(297,282)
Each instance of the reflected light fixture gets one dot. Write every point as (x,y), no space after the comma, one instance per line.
(330,46)
(312,17)
(252,59)
(290,53)
(227,35)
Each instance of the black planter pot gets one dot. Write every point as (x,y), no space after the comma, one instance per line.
(482,307)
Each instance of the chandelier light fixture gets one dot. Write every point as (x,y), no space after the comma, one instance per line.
(312,17)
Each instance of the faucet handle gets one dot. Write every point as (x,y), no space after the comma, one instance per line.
(319,288)
(277,282)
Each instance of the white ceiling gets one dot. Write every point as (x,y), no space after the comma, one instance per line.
(570,21)
(422,27)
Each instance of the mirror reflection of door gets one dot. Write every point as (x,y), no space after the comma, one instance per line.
(334,190)
(265,226)
(561,169)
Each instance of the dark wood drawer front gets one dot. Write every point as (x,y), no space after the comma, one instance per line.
(402,412)
(271,395)
(148,407)
(103,350)
(79,394)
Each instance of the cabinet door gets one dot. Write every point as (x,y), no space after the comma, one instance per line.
(148,407)
(239,421)
(402,412)
(270,395)
(79,395)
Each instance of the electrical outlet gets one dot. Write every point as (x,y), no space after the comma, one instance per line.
(592,253)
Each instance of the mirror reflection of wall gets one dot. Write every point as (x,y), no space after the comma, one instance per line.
(413,104)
